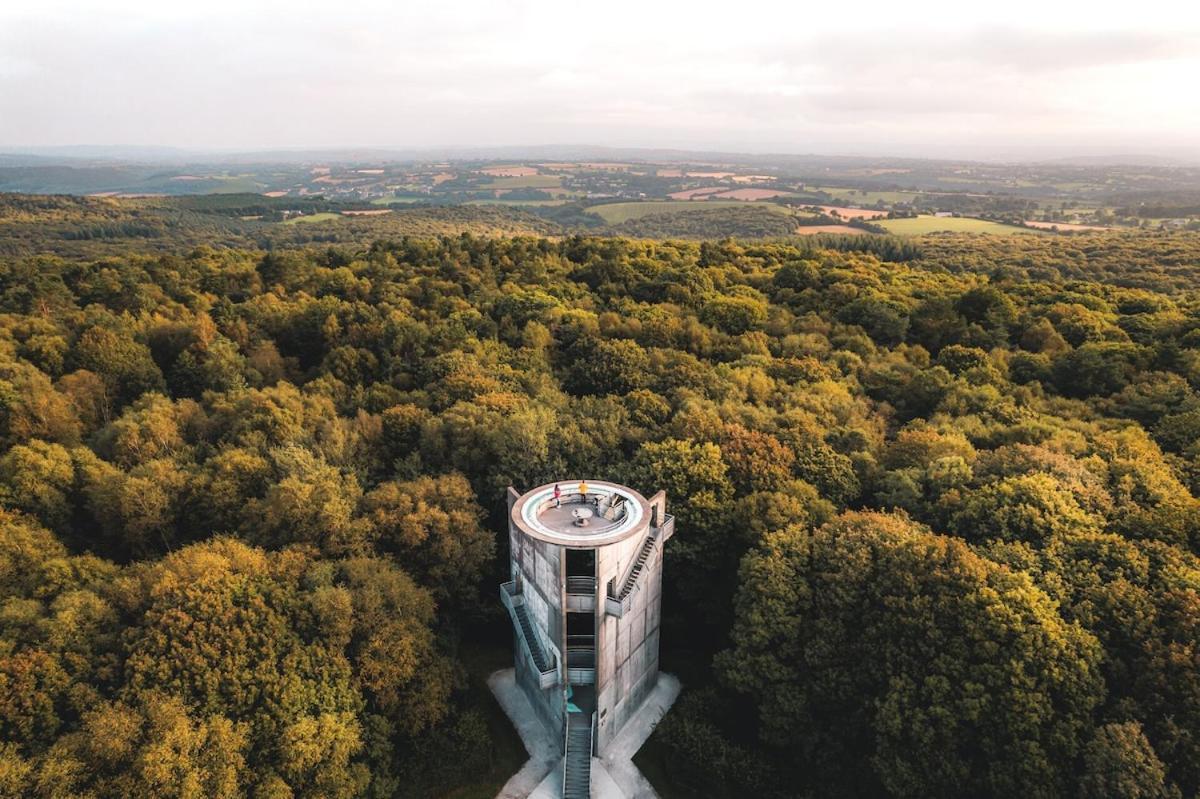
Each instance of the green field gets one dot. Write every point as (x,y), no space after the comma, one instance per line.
(616,213)
(518,203)
(526,182)
(867,197)
(325,216)
(921,225)
(396,200)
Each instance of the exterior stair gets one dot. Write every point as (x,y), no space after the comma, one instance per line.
(638,565)
(577,776)
(535,645)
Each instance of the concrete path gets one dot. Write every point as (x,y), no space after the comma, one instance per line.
(613,777)
(618,755)
(539,743)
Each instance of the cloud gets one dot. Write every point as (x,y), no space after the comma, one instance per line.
(274,73)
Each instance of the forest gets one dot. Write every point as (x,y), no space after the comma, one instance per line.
(937,503)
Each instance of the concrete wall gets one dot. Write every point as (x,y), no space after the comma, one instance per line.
(538,568)
(627,647)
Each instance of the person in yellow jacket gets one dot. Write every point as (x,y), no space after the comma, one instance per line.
(583,491)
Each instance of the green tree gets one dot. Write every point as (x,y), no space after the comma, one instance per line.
(872,633)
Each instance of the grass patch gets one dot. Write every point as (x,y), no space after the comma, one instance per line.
(922,225)
(324,216)
(616,213)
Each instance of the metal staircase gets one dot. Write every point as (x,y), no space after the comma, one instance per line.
(545,663)
(535,646)
(638,565)
(577,771)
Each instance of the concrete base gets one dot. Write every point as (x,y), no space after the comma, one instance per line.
(618,756)
(543,748)
(614,776)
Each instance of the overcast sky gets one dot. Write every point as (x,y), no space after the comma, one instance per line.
(927,78)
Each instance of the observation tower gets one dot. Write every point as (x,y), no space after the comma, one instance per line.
(584,599)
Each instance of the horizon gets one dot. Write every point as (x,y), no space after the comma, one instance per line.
(155,154)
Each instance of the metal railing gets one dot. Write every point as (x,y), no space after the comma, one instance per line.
(622,603)
(581,584)
(566,741)
(511,598)
(581,659)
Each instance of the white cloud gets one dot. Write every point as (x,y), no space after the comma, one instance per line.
(913,77)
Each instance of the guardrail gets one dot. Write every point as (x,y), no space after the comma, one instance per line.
(511,598)
(581,585)
(566,742)
(581,659)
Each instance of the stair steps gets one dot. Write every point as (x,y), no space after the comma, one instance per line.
(535,645)
(577,779)
(638,566)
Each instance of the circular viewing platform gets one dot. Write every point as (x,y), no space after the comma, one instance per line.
(599,514)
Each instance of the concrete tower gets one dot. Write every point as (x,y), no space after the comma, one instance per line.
(584,599)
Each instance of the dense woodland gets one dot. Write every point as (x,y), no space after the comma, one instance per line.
(937,515)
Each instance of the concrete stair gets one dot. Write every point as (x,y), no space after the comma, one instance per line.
(577,778)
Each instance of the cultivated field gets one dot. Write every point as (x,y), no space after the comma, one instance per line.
(321,217)
(525,182)
(869,196)
(691,194)
(851,213)
(509,171)
(1066,226)
(751,195)
(919,226)
(616,213)
(812,230)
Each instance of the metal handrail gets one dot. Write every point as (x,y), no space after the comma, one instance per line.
(566,741)
(579,584)
(510,598)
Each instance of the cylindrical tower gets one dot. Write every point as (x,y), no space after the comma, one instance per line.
(584,599)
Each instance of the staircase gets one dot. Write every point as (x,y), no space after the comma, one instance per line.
(638,565)
(535,645)
(577,775)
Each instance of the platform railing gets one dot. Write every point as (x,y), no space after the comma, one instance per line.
(581,584)
(581,659)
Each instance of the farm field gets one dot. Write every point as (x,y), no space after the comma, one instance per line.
(851,213)
(691,194)
(616,213)
(324,216)
(868,196)
(509,171)
(919,226)
(812,230)
(752,195)
(396,200)
(1063,226)
(525,182)
(518,203)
